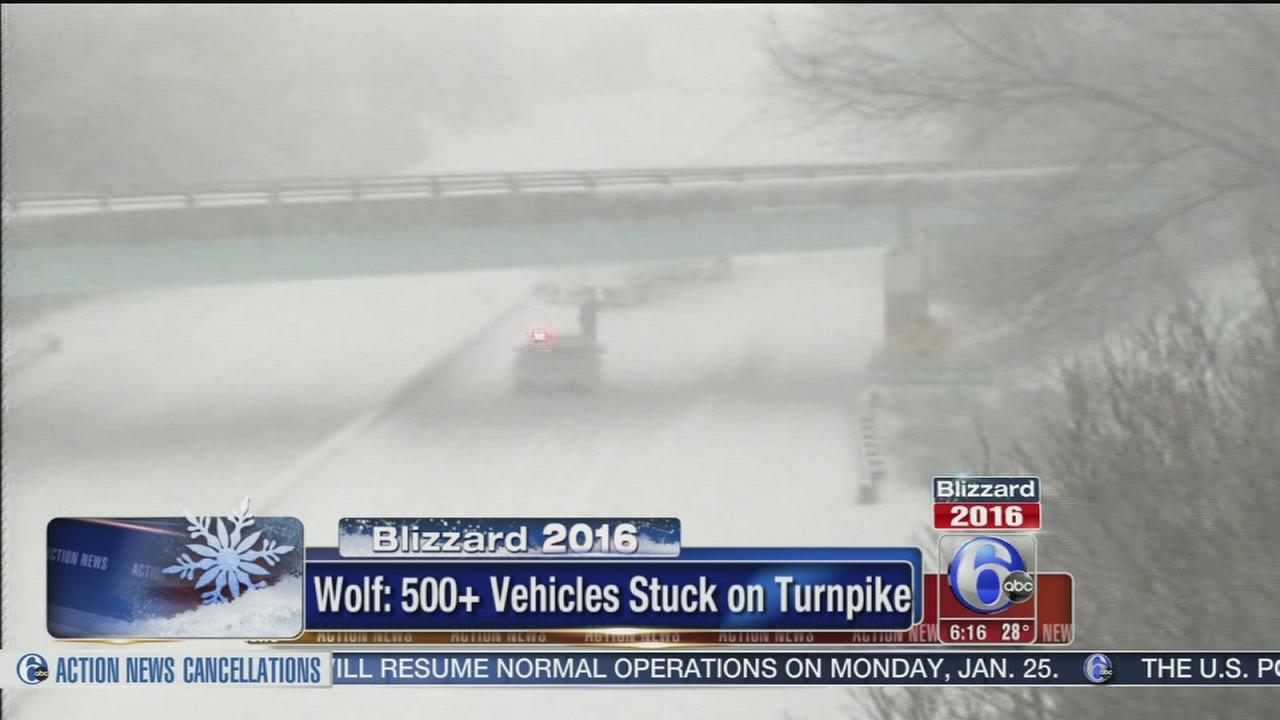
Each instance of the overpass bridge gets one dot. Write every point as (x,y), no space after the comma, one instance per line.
(67,243)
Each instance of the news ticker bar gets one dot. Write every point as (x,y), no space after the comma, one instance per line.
(635,668)
(716,589)
(808,668)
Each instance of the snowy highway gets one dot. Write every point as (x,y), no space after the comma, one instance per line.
(727,404)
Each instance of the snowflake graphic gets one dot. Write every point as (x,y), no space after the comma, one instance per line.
(228,561)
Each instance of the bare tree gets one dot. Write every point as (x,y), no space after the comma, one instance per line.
(1159,442)
(1172,114)
(1160,450)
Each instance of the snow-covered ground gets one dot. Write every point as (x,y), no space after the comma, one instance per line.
(728,405)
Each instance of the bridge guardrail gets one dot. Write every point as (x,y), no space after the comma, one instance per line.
(452,184)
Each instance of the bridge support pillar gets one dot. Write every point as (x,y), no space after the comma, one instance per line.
(906,286)
(588,317)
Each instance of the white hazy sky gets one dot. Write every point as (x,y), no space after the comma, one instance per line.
(147,95)
(639,85)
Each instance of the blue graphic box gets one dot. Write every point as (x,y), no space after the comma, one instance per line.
(175,577)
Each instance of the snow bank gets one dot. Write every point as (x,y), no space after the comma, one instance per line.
(271,612)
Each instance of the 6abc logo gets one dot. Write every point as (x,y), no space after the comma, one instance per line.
(32,669)
(1098,669)
(988,574)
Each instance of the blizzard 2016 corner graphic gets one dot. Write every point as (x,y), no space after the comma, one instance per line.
(174,577)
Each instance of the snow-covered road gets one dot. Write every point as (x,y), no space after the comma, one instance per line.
(728,405)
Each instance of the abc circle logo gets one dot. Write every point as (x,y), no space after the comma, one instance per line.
(32,669)
(987,575)
(1098,669)
(1018,586)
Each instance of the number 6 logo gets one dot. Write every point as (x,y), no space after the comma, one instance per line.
(32,669)
(978,571)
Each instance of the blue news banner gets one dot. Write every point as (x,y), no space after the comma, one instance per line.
(854,589)
(693,668)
